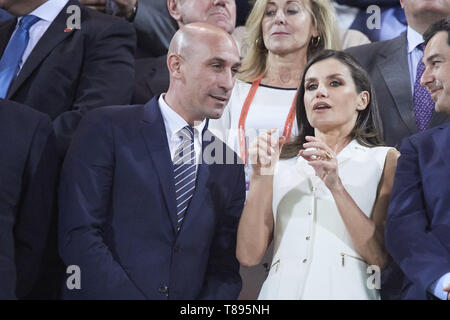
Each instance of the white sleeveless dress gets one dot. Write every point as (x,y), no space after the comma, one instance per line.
(314,257)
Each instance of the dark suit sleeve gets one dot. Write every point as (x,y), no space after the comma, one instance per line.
(223,281)
(418,252)
(154,26)
(36,258)
(107,77)
(84,204)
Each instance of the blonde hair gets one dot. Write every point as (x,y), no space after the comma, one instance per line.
(324,20)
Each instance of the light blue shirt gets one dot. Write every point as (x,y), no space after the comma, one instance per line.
(437,287)
(414,54)
(47,12)
(390,26)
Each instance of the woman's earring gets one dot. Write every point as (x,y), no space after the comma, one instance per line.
(315,41)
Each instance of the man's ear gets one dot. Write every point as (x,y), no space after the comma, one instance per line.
(174,64)
(174,10)
(363,100)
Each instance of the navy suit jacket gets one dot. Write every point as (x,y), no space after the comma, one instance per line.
(69,73)
(118,213)
(418,223)
(28,174)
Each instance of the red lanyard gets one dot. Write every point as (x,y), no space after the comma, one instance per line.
(246,107)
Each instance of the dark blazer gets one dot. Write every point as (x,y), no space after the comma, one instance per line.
(118,213)
(387,64)
(28,175)
(69,73)
(152,79)
(418,223)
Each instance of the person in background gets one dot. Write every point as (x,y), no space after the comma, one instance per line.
(395,69)
(152,76)
(151,19)
(61,70)
(29,171)
(418,223)
(324,202)
(353,15)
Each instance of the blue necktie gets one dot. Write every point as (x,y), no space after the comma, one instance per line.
(423,104)
(185,170)
(12,57)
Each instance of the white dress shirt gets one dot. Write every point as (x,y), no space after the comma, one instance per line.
(173,123)
(47,12)
(414,54)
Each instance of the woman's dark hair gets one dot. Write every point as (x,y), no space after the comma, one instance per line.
(367,131)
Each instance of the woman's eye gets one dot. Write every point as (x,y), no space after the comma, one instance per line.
(335,83)
(311,87)
(292,11)
(270,13)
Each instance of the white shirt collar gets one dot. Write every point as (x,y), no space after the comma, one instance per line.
(49,10)
(414,39)
(174,122)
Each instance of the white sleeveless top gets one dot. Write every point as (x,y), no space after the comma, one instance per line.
(314,257)
(269,109)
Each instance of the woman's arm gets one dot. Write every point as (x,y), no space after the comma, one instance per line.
(256,223)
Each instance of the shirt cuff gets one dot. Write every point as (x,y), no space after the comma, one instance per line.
(437,287)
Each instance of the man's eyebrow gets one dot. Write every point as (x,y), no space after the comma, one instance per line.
(217,59)
(434,56)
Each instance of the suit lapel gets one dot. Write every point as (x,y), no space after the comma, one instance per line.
(51,38)
(154,134)
(393,65)
(6,31)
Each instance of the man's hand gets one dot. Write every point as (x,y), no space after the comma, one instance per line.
(99,5)
(447,288)
(125,8)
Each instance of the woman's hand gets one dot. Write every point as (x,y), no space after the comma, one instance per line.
(264,152)
(324,162)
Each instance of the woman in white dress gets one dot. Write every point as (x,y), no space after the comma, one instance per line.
(324,202)
(281,35)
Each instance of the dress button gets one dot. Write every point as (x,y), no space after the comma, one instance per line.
(309,212)
(163,289)
(304,260)
(308,237)
(313,189)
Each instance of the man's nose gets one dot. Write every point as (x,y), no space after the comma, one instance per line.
(427,77)
(228,80)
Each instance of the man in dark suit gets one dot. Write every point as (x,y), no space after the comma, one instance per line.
(418,223)
(53,67)
(150,200)
(395,69)
(152,76)
(28,174)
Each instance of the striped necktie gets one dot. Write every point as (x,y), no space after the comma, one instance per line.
(10,61)
(185,170)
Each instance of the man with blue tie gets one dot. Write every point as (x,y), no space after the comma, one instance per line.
(418,223)
(149,199)
(63,59)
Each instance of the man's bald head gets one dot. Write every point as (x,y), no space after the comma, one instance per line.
(188,38)
(203,61)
